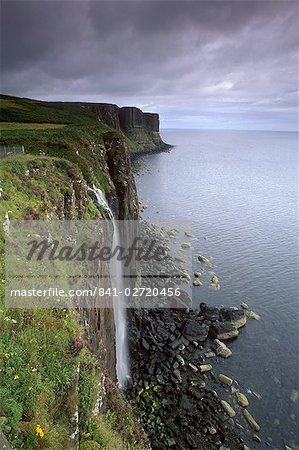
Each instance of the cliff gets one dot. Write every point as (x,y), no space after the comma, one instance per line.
(141,128)
(59,368)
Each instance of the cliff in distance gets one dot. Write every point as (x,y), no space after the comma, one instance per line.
(142,128)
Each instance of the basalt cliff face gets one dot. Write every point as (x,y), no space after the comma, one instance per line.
(142,128)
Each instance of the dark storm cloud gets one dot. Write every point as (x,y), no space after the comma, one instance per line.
(184,59)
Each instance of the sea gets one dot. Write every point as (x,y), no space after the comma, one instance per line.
(239,192)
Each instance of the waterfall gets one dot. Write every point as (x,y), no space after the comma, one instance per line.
(121,342)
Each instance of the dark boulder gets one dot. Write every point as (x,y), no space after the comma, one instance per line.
(223,331)
(194,331)
(234,315)
(210,312)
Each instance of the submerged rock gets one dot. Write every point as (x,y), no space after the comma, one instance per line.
(189,234)
(252,315)
(225,380)
(253,424)
(221,349)
(186,245)
(228,409)
(294,396)
(242,399)
(205,260)
(257,395)
(214,286)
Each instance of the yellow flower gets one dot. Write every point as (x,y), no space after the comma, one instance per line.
(7,355)
(39,431)
(16,377)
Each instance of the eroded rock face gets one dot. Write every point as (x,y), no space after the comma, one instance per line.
(107,113)
(144,128)
(152,122)
(119,166)
(131,117)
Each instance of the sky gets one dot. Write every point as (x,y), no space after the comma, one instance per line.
(214,64)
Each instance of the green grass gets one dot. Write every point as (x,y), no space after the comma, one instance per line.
(28,126)
(15,109)
(77,135)
(34,344)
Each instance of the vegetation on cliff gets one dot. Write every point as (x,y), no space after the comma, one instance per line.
(41,350)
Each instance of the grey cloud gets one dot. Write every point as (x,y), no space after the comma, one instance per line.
(182,56)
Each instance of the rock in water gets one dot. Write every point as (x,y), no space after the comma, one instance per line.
(205,368)
(186,276)
(214,279)
(197,282)
(205,260)
(189,234)
(223,331)
(214,286)
(252,315)
(221,349)
(253,424)
(294,396)
(186,245)
(225,380)
(197,274)
(244,306)
(235,316)
(242,399)
(228,409)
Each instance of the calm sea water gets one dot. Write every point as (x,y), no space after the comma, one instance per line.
(240,191)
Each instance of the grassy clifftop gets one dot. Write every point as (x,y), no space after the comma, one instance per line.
(64,130)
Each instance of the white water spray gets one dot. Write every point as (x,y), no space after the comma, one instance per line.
(121,343)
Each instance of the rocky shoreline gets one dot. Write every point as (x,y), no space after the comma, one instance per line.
(184,400)
(158,149)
